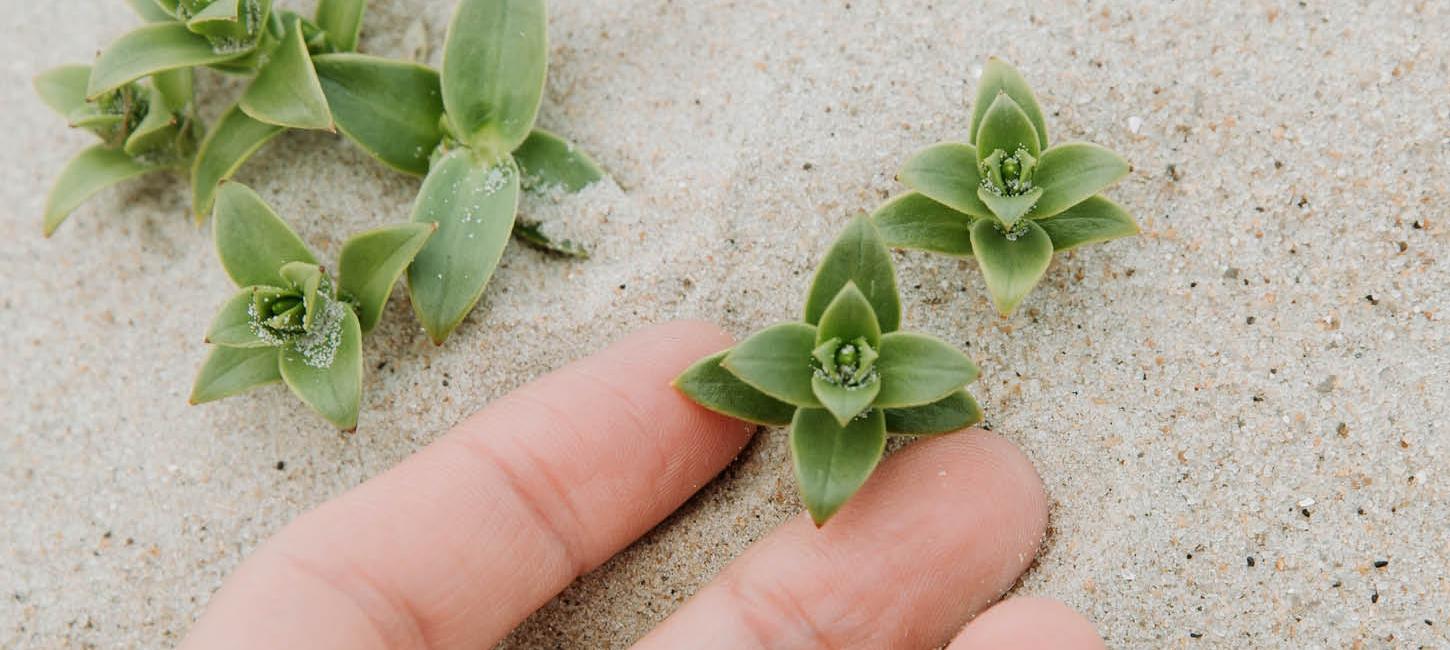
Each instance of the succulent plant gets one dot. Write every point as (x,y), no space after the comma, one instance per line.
(1007,198)
(291,320)
(843,377)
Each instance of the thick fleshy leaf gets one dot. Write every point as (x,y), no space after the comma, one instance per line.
(832,462)
(777,361)
(951,413)
(228,144)
(473,202)
(1070,173)
(1000,77)
(252,242)
(229,371)
(947,173)
(918,369)
(342,20)
(715,388)
(494,61)
(156,131)
(390,109)
(844,402)
(95,169)
(371,263)
(1094,220)
(63,88)
(175,87)
(150,11)
(151,49)
(325,368)
(218,17)
(1011,266)
(848,317)
(858,255)
(1010,209)
(548,162)
(1007,128)
(532,233)
(914,221)
(286,91)
(306,279)
(232,325)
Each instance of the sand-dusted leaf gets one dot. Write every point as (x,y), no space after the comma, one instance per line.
(228,371)
(549,162)
(63,88)
(999,77)
(1010,209)
(307,279)
(474,202)
(371,263)
(494,61)
(252,242)
(832,461)
(1094,220)
(844,402)
(150,11)
(1070,173)
(176,87)
(914,221)
(951,413)
(1006,128)
(324,368)
(93,170)
(858,256)
(390,109)
(342,20)
(156,131)
(233,324)
(947,173)
(1011,265)
(150,49)
(715,388)
(286,91)
(228,144)
(848,317)
(777,361)
(918,369)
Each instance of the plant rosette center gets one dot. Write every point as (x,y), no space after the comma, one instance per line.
(307,313)
(1006,174)
(851,364)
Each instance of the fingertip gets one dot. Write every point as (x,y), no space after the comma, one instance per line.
(1029,624)
(701,335)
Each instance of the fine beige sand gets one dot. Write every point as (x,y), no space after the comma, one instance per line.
(1238,415)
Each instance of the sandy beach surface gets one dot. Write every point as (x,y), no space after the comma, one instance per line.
(1239,415)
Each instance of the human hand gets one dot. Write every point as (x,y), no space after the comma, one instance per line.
(459,543)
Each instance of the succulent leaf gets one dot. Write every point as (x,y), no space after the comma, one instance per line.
(286,91)
(715,388)
(93,170)
(1011,264)
(342,21)
(150,11)
(228,371)
(324,367)
(233,140)
(777,362)
(947,173)
(1094,220)
(371,263)
(848,317)
(252,242)
(63,88)
(234,325)
(999,77)
(1070,173)
(548,162)
(1009,209)
(833,461)
(1006,128)
(845,402)
(951,413)
(858,255)
(914,221)
(495,58)
(532,233)
(918,369)
(150,49)
(390,109)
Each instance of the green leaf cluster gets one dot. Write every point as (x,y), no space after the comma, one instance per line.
(291,320)
(843,377)
(1006,198)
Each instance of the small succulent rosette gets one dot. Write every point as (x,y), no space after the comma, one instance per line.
(291,321)
(1007,198)
(842,378)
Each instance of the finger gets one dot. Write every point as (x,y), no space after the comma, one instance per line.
(1029,624)
(942,529)
(456,545)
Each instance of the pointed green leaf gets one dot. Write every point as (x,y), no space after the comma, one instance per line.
(233,26)
(372,261)
(233,139)
(286,91)
(176,87)
(1070,173)
(1011,266)
(832,462)
(1010,209)
(951,413)
(156,131)
(1007,128)
(859,256)
(494,61)
(715,388)
(325,369)
(148,50)
(947,173)
(232,325)
(777,361)
(252,242)
(1095,220)
(342,20)
(306,279)
(844,402)
(474,203)
(390,109)
(1000,77)
(914,221)
(229,371)
(216,11)
(63,88)
(532,233)
(918,369)
(848,317)
(95,169)
(150,12)
(548,162)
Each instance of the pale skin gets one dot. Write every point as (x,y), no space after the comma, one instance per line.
(455,546)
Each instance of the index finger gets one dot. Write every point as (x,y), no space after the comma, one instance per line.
(456,545)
